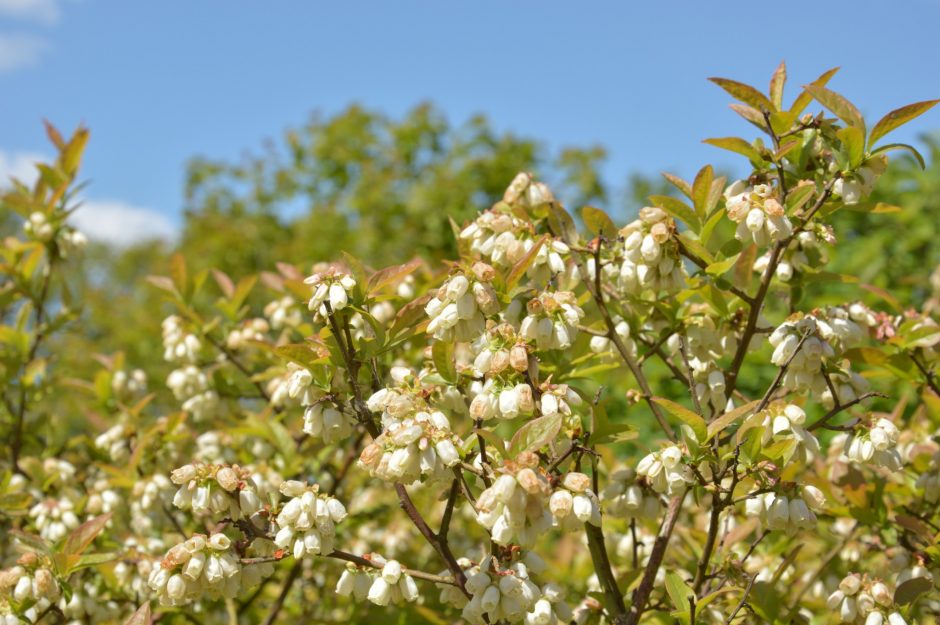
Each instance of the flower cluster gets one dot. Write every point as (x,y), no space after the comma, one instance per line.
(331,291)
(552,320)
(651,254)
(202,565)
(806,361)
(783,420)
(283,313)
(513,509)
(306,523)
(859,600)
(30,583)
(574,503)
(460,306)
(179,346)
(392,585)
(877,445)
(624,496)
(191,386)
(790,514)
(251,330)
(500,594)
(216,489)
(758,213)
(420,444)
(664,470)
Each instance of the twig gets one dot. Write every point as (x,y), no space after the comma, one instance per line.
(747,591)
(930,377)
(824,420)
(628,358)
(758,299)
(439,543)
(780,375)
(232,358)
(642,594)
(285,590)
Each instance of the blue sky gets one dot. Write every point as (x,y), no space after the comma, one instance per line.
(160,82)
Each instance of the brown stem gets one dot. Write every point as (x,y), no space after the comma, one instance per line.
(758,299)
(780,374)
(232,358)
(929,377)
(285,590)
(605,574)
(439,543)
(824,420)
(625,354)
(642,594)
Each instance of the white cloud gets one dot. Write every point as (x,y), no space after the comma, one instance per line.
(19,165)
(44,11)
(18,51)
(121,224)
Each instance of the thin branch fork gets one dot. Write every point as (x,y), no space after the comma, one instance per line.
(642,594)
(625,354)
(824,420)
(762,290)
(703,265)
(439,543)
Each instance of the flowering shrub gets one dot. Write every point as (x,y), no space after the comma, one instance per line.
(645,424)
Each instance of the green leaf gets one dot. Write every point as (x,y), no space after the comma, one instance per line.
(93,559)
(720,423)
(679,183)
(561,223)
(84,534)
(805,97)
(696,247)
(721,266)
(598,221)
(389,275)
(678,209)
(535,434)
(13,502)
(853,139)
(518,270)
(837,105)
(694,421)
(745,93)
(738,145)
(495,441)
(867,355)
(888,147)
(777,81)
(604,430)
(799,195)
(179,275)
(908,591)
(225,282)
(751,114)
(899,117)
(680,592)
(33,541)
(701,190)
(303,354)
(442,354)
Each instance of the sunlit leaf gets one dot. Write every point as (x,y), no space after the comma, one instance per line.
(898,117)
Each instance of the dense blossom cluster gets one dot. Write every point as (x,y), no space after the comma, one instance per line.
(661,408)
(651,254)
(306,524)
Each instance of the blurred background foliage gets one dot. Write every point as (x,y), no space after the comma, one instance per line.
(386,190)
